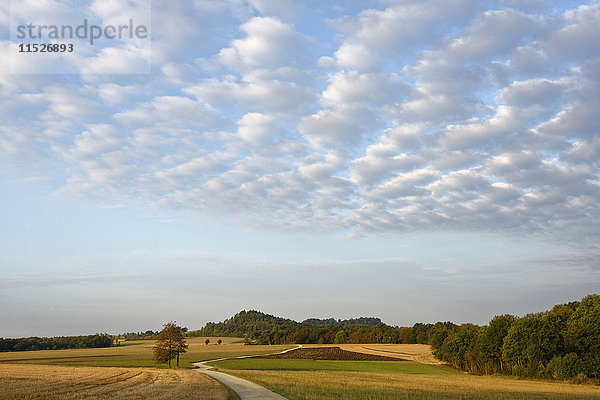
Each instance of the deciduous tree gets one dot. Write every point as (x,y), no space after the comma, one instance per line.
(169,344)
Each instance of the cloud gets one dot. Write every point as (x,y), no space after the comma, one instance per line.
(73,103)
(269,43)
(113,94)
(127,59)
(269,96)
(403,117)
(531,92)
(371,89)
(169,111)
(397,32)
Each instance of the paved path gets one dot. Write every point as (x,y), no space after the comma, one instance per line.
(245,389)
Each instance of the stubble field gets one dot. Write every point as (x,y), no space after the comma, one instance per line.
(123,372)
(45,382)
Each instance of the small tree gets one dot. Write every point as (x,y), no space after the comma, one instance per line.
(169,344)
(207,341)
(219,341)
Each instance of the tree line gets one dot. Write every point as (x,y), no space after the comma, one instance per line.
(332,334)
(56,343)
(562,343)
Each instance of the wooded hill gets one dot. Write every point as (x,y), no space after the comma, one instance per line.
(261,328)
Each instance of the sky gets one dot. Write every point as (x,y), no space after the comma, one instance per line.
(417,161)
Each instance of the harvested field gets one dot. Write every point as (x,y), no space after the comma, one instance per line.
(329,353)
(21,381)
(56,359)
(137,354)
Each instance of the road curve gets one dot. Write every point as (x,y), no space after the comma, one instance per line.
(245,389)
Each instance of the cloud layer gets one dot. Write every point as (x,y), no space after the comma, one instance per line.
(403,117)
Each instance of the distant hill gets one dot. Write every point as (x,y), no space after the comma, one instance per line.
(245,324)
(253,324)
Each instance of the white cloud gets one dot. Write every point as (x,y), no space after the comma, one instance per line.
(371,89)
(531,92)
(256,128)
(97,140)
(269,43)
(128,59)
(171,111)
(73,103)
(411,116)
(343,128)
(261,95)
(397,32)
(113,94)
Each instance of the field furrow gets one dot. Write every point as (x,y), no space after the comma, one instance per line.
(46,382)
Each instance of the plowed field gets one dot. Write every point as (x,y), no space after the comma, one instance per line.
(329,353)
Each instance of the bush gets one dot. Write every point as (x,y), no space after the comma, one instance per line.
(565,367)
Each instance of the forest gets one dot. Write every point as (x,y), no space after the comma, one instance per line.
(562,343)
(56,343)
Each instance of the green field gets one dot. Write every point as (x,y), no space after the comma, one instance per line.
(397,367)
(392,380)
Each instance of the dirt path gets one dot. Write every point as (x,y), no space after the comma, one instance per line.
(245,389)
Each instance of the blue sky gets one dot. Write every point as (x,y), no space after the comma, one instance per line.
(411,160)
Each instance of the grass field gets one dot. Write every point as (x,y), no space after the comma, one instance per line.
(137,354)
(396,367)
(392,380)
(45,382)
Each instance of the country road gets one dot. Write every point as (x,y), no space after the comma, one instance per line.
(245,389)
